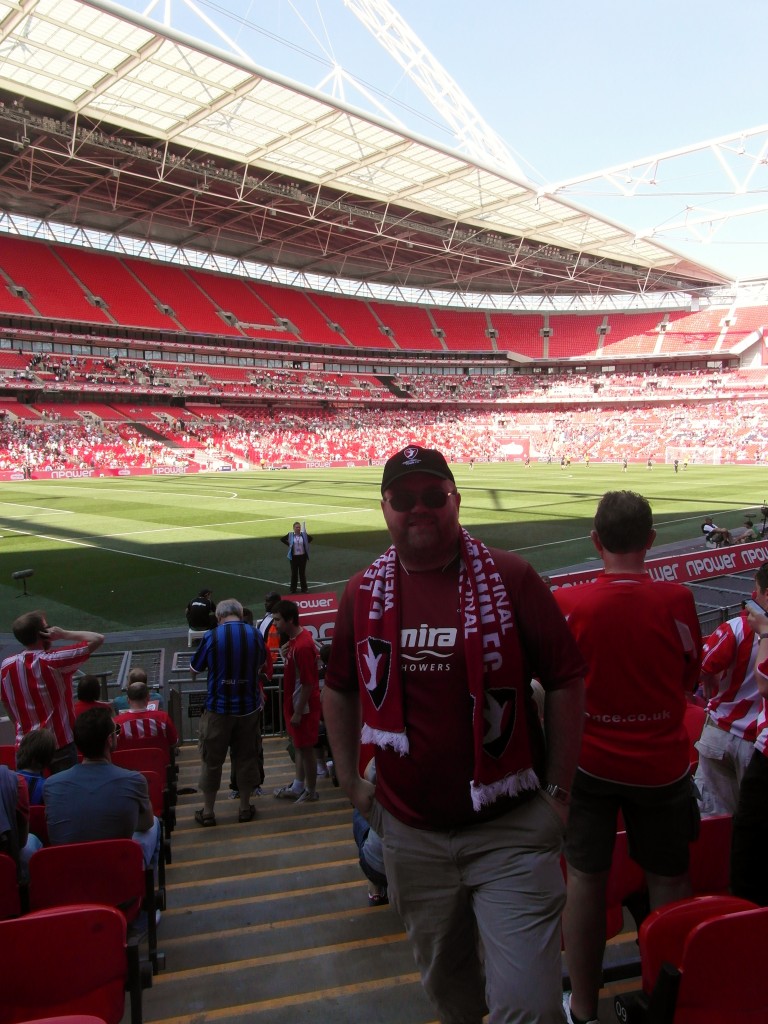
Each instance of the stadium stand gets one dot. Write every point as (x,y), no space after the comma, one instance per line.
(573,336)
(53,291)
(519,333)
(126,299)
(233,295)
(357,322)
(465,330)
(288,304)
(410,326)
(188,306)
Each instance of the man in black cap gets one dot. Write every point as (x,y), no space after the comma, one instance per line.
(434,648)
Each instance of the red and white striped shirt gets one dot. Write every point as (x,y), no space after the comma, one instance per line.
(732,650)
(36,688)
(141,727)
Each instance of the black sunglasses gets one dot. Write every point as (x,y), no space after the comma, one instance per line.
(404,501)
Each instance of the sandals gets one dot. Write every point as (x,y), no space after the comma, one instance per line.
(248,815)
(286,793)
(206,820)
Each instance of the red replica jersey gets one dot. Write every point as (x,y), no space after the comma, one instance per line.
(36,689)
(143,726)
(301,669)
(641,642)
(430,786)
(732,650)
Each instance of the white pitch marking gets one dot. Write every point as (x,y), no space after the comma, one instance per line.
(213,526)
(148,558)
(42,510)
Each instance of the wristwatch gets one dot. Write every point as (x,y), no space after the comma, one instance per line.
(556,792)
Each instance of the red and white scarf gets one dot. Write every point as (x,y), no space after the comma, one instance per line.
(494,668)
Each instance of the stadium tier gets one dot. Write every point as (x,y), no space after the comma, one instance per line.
(55,282)
(519,333)
(180,296)
(410,326)
(295,311)
(125,298)
(574,336)
(73,436)
(463,330)
(51,289)
(358,324)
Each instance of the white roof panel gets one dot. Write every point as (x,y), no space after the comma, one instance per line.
(109,64)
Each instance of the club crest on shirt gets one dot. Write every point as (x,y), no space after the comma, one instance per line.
(374,658)
(500,712)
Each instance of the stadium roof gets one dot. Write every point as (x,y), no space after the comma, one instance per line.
(113,123)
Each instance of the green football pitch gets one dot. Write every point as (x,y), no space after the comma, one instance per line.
(122,553)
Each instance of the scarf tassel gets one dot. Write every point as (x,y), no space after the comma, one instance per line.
(380,738)
(511,785)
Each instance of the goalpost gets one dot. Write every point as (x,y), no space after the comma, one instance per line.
(693,454)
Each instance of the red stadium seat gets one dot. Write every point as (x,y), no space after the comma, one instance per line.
(87,970)
(151,759)
(38,825)
(711,856)
(10,900)
(158,794)
(695,717)
(8,755)
(69,1018)
(680,946)
(107,871)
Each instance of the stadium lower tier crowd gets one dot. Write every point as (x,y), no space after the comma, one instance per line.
(725,431)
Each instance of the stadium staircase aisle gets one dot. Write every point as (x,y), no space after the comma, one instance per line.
(268,921)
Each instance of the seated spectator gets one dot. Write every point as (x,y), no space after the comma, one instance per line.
(201,611)
(88,693)
(716,535)
(96,799)
(14,813)
(33,759)
(750,533)
(141,723)
(137,675)
(370,851)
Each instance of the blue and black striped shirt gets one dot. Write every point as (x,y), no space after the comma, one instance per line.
(233,653)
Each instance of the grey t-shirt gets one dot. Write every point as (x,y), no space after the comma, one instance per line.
(96,801)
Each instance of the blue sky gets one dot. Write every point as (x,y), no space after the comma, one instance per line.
(570,87)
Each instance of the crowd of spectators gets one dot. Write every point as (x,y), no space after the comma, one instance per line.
(269,437)
(244,376)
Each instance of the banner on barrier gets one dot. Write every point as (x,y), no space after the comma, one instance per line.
(317,613)
(688,568)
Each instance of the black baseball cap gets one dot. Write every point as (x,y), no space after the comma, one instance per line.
(414,459)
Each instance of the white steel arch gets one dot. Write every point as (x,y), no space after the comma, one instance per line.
(393,33)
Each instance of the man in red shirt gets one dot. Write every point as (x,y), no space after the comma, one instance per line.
(728,675)
(434,649)
(301,701)
(36,684)
(142,725)
(749,879)
(641,642)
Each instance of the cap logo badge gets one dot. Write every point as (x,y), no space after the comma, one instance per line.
(410,456)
